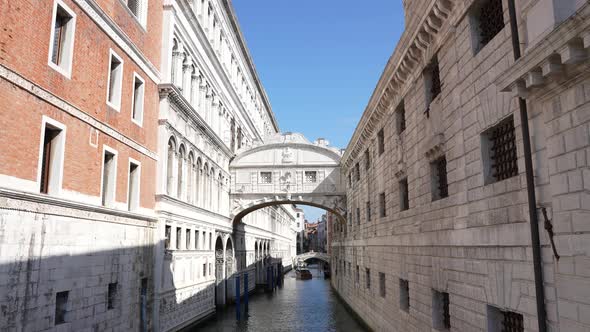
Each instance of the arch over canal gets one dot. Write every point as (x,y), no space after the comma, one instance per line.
(287,169)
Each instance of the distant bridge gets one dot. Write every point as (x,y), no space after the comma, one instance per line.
(309,255)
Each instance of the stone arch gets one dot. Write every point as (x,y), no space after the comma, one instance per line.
(171,156)
(198,181)
(181,171)
(190,183)
(336,209)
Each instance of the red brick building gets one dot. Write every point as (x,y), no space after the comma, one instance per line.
(79,101)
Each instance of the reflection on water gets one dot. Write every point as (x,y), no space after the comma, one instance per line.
(301,305)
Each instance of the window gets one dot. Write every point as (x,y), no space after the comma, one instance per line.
(210,269)
(115,81)
(266,177)
(404,295)
(381,142)
(400,118)
(382,284)
(440,187)
(61,47)
(368,278)
(133,186)
(204,269)
(196,240)
(499,152)
(358,216)
(210,241)
(357,274)
(61,307)
(367,160)
(137,8)
(404,199)
(137,101)
(188,239)
(143,301)
(111,295)
(51,156)
(432,82)
(109,176)
(357,172)
(504,321)
(382,211)
(368,207)
(167,235)
(487,20)
(311,176)
(441,317)
(178,236)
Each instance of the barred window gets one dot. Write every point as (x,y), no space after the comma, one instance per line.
(112,295)
(381,142)
(499,152)
(368,207)
(382,284)
(367,160)
(357,172)
(432,82)
(358,216)
(400,118)
(487,21)
(404,198)
(504,321)
(441,317)
(440,187)
(368,278)
(404,295)
(382,208)
(311,176)
(266,177)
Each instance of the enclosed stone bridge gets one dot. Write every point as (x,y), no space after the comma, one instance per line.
(287,169)
(309,255)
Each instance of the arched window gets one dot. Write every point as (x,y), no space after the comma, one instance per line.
(219,192)
(190,178)
(211,189)
(198,190)
(170,189)
(181,170)
(205,186)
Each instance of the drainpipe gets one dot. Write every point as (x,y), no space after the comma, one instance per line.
(530,183)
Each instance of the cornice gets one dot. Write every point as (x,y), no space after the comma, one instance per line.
(410,54)
(50,205)
(311,147)
(552,58)
(177,98)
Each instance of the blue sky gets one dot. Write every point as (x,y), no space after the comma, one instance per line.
(320,60)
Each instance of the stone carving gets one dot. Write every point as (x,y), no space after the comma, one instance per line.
(287,156)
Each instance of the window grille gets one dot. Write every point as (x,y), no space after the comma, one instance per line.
(382,210)
(357,172)
(401,119)
(404,196)
(112,295)
(367,160)
(442,187)
(435,88)
(368,211)
(512,322)
(368,278)
(266,177)
(311,176)
(381,141)
(382,284)
(491,20)
(503,150)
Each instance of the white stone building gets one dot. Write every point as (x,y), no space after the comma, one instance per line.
(439,234)
(212,106)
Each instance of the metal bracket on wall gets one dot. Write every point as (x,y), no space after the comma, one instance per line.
(549,229)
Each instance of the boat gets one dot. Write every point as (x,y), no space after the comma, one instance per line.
(303,274)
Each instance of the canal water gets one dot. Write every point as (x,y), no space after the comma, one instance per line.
(299,306)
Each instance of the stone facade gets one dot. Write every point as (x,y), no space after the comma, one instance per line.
(437,235)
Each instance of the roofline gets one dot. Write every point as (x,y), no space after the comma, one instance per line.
(242,41)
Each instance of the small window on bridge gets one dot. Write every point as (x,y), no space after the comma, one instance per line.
(266,177)
(311,176)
